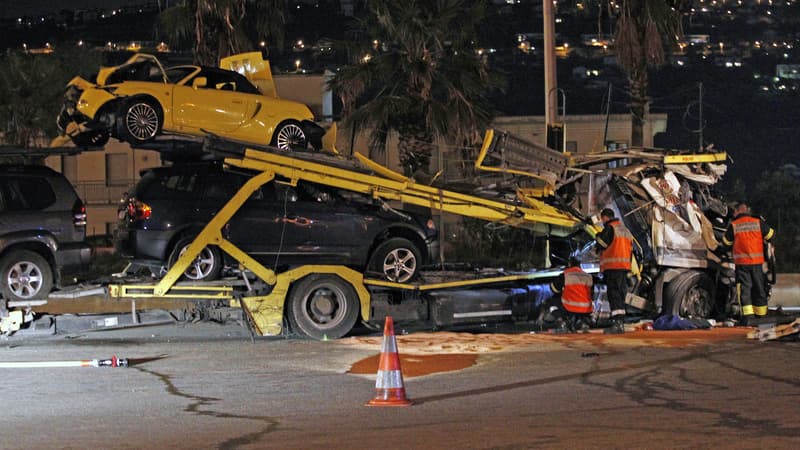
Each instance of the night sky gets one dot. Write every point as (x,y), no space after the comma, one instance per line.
(17,8)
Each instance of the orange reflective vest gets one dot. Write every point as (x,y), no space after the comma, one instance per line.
(577,295)
(618,254)
(748,243)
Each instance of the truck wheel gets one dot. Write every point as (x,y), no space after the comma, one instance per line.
(26,275)
(141,120)
(396,259)
(290,136)
(690,295)
(206,266)
(323,307)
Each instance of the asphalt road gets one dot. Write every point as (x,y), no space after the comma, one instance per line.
(210,386)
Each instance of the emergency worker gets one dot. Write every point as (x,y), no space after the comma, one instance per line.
(746,234)
(615,244)
(575,299)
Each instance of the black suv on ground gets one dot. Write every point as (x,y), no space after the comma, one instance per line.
(280,225)
(42,231)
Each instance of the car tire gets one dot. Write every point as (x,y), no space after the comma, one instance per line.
(140,120)
(26,275)
(206,266)
(396,259)
(322,307)
(691,294)
(290,135)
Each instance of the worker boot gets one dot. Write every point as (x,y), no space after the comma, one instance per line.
(562,327)
(617,326)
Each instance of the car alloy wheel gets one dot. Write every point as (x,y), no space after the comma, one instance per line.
(400,265)
(26,276)
(142,121)
(290,136)
(205,265)
(396,259)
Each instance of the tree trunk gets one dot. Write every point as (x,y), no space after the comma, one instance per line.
(415,147)
(639,105)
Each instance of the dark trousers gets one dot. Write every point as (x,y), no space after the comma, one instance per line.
(563,312)
(573,320)
(616,287)
(751,291)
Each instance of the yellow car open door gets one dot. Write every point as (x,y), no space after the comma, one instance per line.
(255,68)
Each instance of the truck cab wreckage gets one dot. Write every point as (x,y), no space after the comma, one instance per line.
(662,196)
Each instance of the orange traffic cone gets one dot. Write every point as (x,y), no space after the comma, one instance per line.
(389,390)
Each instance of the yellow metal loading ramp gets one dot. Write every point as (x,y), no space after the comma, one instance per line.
(358,174)
(367,177)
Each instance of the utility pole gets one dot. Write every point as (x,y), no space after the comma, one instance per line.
(549,63)
(700,125)
(555,131)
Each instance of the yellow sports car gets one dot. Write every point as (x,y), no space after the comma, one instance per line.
(138,100)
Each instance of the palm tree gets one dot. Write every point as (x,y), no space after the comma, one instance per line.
(421,77)
(643,29)
(32,89)
(221,28)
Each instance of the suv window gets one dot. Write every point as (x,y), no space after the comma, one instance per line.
(25,193)
(161,184)
(221,186)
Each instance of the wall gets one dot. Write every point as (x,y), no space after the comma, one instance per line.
(89,173)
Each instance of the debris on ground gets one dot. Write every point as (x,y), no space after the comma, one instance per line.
(771,332)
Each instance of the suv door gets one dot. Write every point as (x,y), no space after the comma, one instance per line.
(273,226)
(343,230)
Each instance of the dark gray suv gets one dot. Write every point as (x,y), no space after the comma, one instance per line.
(42,232)
(280,225)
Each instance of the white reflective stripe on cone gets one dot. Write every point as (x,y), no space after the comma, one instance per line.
(389,379)
(389,345)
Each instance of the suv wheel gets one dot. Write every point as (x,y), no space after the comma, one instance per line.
(206,266)
(26,275)
(396,259)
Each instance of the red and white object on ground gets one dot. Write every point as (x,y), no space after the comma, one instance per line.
(113,362)
(389,389)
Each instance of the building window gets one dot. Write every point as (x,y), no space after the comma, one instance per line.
(614,146)
(572,146)
(116,169)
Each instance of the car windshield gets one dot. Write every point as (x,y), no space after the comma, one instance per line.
(141,70)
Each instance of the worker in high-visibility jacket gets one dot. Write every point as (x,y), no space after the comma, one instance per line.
(573,289)
(747,234)
(615,244)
